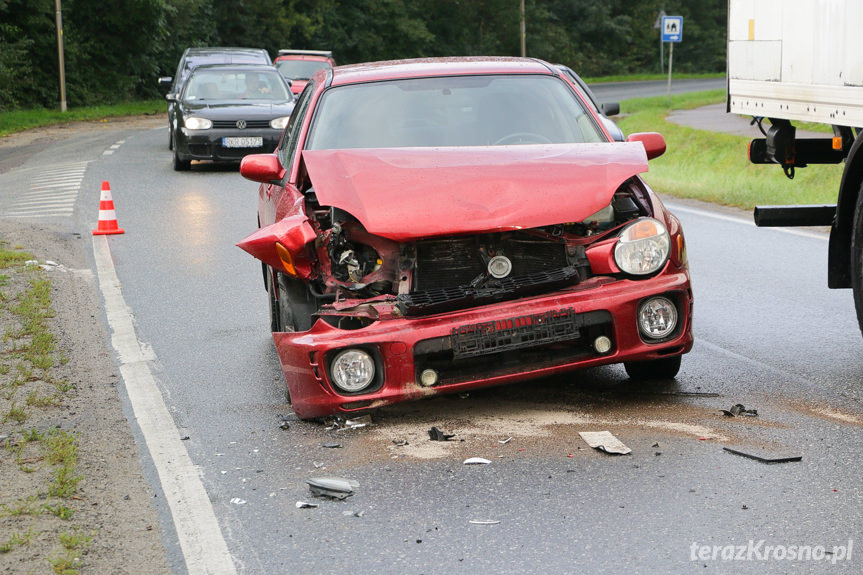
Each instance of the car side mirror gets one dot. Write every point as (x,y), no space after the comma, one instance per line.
(611,108)
(653,142)
(171,97)
(263,168)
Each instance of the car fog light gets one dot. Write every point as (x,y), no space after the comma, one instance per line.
(499,267)
(602,344)
(428,377)
(657,317)
(352,370)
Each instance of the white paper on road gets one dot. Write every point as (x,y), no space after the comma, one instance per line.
(604,441)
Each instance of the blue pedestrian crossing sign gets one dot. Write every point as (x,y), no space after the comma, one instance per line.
(672,28)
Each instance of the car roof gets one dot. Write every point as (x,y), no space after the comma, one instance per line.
(220,50)
(320,53)
(431,67)
(240,67)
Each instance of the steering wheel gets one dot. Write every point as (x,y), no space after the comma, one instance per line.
(523,138)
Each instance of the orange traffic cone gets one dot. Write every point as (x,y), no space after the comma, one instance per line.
(107,218)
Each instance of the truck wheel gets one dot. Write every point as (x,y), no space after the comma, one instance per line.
(665,368)
(857,258)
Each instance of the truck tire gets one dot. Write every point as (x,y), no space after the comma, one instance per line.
(857,258)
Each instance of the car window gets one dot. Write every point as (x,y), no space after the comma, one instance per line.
(452,111)
(288,144)
(236,85)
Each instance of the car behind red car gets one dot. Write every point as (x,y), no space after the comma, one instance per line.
(439,225)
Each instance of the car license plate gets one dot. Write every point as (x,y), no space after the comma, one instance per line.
(242,142)
(516,333)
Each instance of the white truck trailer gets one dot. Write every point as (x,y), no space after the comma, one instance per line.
(802,61)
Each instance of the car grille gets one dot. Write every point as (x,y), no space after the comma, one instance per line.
(443,263)
(250,124)
(450,273)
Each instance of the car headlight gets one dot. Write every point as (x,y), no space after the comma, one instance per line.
(279,123)
(196,123)
(352,370)
(643,247)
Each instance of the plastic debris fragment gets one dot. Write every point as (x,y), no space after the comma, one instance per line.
(436,434)
(476,461)
(504,441)
(332,487)
(484,521)
(306,505)
(332,445)
(739,409)
(604,441)
(765,458)
(238,501)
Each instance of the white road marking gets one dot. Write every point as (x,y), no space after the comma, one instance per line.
(203,546)
(716,216)
(51,193)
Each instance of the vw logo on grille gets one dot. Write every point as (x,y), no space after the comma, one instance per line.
(241,124)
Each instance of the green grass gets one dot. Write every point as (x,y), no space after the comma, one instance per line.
(649,77)
(19,120)
(714,167)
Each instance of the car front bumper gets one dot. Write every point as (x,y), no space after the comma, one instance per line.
(404,347)
(208,144)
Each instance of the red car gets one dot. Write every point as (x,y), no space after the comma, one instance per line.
(300,65)
(439,225)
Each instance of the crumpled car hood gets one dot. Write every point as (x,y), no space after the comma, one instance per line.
(410,193)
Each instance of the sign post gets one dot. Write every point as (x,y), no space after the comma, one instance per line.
(672,32)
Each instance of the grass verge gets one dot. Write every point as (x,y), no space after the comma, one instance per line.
(714,167)
(39,474)
(19,120)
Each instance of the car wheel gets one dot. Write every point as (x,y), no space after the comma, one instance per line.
(180,163)
(857,258)
(170,137)
(275,314)
(665,368)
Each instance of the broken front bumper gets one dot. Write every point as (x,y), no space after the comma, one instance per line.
(484,346)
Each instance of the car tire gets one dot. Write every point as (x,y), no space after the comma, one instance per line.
(665,368)
(180,164)
(857,258)
(170,137)
(275,315)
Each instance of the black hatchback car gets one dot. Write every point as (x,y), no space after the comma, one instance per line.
(226,112)
(202,56)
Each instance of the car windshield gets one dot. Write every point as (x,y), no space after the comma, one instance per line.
(300,69)
(236,85)
(451,111)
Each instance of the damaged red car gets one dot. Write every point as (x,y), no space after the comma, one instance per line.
(439,225)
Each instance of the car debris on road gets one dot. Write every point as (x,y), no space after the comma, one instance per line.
(739,409)
(332,487)
(605,441)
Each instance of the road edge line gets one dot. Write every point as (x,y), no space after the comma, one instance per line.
(201,541)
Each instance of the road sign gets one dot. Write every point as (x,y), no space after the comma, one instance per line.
(672,29)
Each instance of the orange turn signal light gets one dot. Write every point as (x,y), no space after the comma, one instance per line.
(837,143)
(286,258)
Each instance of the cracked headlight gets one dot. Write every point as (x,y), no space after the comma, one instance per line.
(643,247)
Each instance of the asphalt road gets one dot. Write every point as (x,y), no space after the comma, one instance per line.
(769,335)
